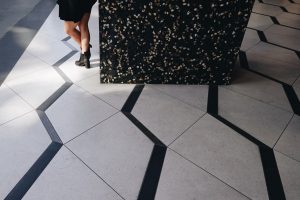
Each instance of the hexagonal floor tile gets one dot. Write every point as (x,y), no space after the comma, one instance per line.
(278,68)
(290,139)
(284,36)
(293,8)
(289,19)
(226,154)
(266,9)
(250,39)
(27,64)
(165,116)
(114,94)
(289,173)
(22,141)
(12,105)
(76,111)
(260,88)
(118,152)
(263,121)
(180,179)
(37,87)
(275,53)
(47,48)
(277,2)
(66,177)
(76,73)
(194,95)
(259,22)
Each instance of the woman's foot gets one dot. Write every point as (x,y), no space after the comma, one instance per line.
(81,61)
(86,59)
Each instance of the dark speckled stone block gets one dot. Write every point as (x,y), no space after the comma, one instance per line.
(174,42)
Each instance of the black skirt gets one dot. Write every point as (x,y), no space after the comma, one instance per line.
(73,10)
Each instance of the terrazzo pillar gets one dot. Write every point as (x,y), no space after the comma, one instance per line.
(171,42)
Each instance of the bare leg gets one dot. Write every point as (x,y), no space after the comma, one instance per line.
(70,29)
(84,31)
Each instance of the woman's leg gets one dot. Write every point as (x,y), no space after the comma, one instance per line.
(70,29)
(85,33)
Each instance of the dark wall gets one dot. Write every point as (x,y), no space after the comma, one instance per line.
(176,41)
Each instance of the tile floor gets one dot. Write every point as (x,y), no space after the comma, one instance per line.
(63,135)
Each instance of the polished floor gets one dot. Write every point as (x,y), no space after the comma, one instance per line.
(63,135)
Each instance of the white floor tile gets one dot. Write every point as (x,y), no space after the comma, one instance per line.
(181,179)
(195,95)
(259,22)
(287,37)
(226,154)
(37,87)
(118,152)
(53,26)
(261,120)
(27,64)
(277,2)
(260,88)
(272,52)
(66,177)
(250,39)
(11,105)
(280,70)
(289,142)
(163,115)
(114,94)
(47,49)
(22,141)
(289,19)
(290,177)
(76,73)
(266,9)
(76,111)
(293,8)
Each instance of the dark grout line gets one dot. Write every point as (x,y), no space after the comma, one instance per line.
(238,130)
(49,127)
(274,20)
(132,99)
(64,59)
(272,176)
(261,36)
(66,38)
(153,172)
(283,9)
(212,100)
(63,75)
(154,168)
(34,172)
(243,60)
(145,130)
(70,46)
(58,93)
(292,97)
